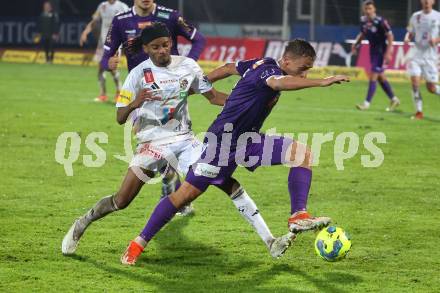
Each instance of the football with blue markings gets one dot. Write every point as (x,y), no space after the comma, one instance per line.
(332,243)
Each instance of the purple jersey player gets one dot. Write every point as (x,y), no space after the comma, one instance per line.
(128,25)
(233,139)
(378,33)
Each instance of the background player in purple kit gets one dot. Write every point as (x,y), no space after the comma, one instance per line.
(234,138)
(127,26)
(378,32)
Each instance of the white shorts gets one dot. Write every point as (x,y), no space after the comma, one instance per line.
(425,68)
(158,157)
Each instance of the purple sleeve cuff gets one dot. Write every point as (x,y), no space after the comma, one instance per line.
(198,44)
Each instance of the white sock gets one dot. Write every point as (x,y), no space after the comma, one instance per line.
(366,104)
(437,90)
(248,209)
(418,103)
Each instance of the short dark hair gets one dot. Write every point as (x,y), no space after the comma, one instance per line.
(300,47)
(369,2)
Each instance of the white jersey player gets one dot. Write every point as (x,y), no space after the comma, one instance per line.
(424,29)
(157,89)
(104,14)
(164,124)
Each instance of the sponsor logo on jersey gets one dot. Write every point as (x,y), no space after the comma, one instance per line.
(142,25)
(167,81)
(148,75)
(163,15)
(206,170)
(130,32)
(148,150)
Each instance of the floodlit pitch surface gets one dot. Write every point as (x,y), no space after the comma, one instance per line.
(392,212)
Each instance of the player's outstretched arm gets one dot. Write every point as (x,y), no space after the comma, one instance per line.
(215,97)
(86,32)
(293,83)
(222,72)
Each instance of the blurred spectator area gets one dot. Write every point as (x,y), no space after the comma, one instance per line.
(318,20)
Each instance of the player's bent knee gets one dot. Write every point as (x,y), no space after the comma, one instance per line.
(431,88)
(184,195)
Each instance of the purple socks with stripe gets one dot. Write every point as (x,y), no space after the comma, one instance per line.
(371,90)
(161,215)
(299,182)
(387,88)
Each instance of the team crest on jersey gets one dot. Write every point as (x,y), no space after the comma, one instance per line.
(142,25)
(148,75)
(183,84)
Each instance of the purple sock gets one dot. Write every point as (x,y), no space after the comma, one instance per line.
(299,185)
(387,88)
(371,90)
(161,215)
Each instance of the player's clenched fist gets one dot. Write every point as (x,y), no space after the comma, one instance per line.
(144,95)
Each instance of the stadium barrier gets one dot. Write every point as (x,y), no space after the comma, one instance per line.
(332,58)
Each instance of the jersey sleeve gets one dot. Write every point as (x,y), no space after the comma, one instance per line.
(189,32)
(243,66)
(411,26)
(124,7)
(130,88)
(200,84)
(97,15)
(386,26)
(112,43)
(361,26)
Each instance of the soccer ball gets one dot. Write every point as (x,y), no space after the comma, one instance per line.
(332,243)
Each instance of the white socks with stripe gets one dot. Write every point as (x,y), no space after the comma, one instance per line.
(248,209)
(417,98)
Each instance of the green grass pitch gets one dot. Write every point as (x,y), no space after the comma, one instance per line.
(392,212)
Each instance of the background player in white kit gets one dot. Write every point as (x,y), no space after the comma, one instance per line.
(104,14)
(157,89)
(424,29)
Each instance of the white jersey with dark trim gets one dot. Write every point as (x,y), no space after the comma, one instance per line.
(169,117)
(424,27)
(105,12)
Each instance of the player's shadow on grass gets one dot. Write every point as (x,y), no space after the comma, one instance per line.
(177,263)
(328,282)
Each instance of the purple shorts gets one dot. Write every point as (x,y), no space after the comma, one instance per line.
(216,166)
(376,61)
